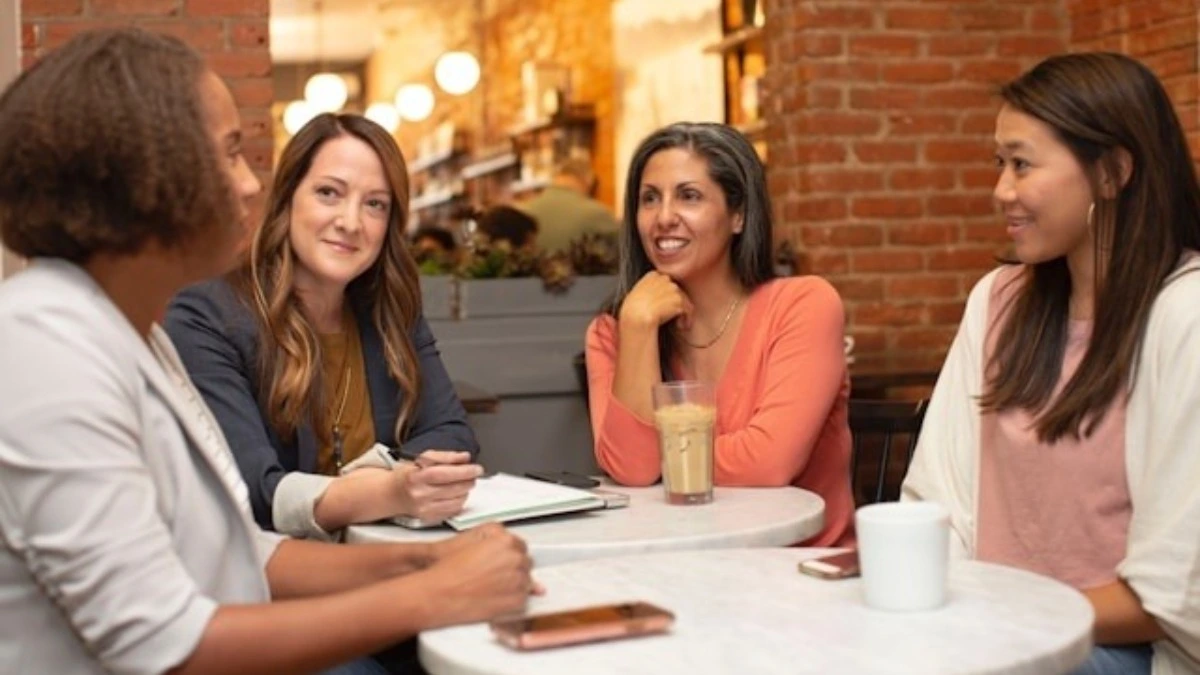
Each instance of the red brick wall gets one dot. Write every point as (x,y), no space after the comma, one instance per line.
(881,115)
(1161,33)
(232,34)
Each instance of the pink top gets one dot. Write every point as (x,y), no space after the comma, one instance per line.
(1060,510)
(781,403)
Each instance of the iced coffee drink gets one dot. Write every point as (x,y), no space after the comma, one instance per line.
(685,437)
(685,416)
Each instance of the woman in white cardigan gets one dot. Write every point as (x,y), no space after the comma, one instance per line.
(1064,431)
(126,539)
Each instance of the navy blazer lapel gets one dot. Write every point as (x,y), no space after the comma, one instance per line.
(385,395)
(306,449)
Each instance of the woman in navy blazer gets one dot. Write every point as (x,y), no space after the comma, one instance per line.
(315,351)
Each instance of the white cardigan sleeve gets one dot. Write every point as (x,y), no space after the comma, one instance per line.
(79,505)
(1162,441)
(944,464)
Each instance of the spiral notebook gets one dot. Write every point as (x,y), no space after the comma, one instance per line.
(504,498)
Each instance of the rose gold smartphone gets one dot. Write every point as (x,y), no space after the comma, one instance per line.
(588,624)
(836,566)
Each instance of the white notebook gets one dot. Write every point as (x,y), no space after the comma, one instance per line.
(503,497)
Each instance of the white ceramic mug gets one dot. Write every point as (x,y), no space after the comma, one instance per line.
(904,551)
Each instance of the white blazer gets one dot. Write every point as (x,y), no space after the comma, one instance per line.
(123,520)
(1162,458)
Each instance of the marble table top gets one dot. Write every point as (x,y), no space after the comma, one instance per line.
(736,518)
(751,611)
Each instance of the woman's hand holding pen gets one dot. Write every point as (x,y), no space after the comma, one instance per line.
(436,485)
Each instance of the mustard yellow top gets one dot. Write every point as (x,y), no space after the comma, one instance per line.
(347,399)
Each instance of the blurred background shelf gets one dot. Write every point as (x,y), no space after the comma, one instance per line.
(484,167)
(431,200)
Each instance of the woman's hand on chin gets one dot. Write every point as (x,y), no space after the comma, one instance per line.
(655,300)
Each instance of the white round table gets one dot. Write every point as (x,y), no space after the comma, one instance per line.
(751,611)
(736,518)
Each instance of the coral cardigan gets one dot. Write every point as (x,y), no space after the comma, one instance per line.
(781,403)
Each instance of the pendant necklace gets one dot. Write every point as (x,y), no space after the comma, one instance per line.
(338,439)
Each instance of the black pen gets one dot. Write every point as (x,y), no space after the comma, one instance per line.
(399,454)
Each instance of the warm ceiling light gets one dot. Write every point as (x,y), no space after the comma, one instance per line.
(297,114)
(456,72)
(326,92)
(414,101)
(385,115)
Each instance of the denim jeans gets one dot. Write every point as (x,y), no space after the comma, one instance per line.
(1123,660)
(363,666)
(399,659)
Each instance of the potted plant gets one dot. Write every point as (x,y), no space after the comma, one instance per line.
(496,280)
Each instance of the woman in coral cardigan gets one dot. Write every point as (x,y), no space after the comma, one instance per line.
(697,298)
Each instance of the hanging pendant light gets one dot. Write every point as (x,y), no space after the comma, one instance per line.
(326,92)
(456,72)
(414,101)
(297,114)
(385,115)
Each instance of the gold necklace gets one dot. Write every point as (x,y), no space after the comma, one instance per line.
(720,331)
(338,439)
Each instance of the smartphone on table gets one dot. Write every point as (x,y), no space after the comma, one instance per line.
(612,500)
(836,566)
(567,478)
(588,624)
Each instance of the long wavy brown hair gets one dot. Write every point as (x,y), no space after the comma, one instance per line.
(1098,104)
(289,351)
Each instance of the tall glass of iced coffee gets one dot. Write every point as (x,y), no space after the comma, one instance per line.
(685,414)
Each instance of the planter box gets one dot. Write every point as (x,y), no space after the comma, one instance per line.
(512,337)
(479,298)
(516,340)
(437,296)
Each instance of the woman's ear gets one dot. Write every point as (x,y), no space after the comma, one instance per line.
(1116,170)
(739,222)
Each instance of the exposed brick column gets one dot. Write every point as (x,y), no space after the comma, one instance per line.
(1163,34)
(881,115)
(232,34)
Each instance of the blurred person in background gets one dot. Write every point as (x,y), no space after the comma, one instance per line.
(566,208)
